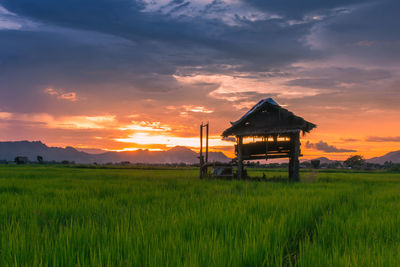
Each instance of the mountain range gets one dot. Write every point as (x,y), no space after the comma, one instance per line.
(391,156)
(178,154)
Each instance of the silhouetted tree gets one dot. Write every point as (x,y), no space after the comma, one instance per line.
(315,163)
(21,160)
(354,162)
(388,164)
(40,159)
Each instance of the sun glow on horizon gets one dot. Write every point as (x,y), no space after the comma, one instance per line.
(171,141)
(335,139)
(133,149)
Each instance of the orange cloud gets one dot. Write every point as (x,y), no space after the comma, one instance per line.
(198,109)
(83,122)
(70,96)
(146,126)
(51,91)
(233,88)
(5,115)
(63,122)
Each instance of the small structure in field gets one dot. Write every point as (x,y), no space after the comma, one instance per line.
(21,160)
(268,131)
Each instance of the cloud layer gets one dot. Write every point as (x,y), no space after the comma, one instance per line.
(182,62)
(325,147)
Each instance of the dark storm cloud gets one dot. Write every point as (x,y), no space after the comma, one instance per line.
(171,42)
(117,51)
(314,83)
(187,40)
(369,33)
(335,77)
(325,147)
(38,60)
(371,97)
(255,45)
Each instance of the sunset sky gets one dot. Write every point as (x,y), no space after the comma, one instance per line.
(143,74)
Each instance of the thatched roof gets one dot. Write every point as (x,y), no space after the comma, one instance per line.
(266,118)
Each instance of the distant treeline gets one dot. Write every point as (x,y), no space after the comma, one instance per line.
(22,160)
(356,162)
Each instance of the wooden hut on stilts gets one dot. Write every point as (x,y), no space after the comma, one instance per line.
(268,131)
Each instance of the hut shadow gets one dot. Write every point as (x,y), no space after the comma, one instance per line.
(271,179)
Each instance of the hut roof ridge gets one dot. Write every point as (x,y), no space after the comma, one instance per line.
(255,108)
(290,124)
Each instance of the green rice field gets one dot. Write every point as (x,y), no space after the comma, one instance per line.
(65,216)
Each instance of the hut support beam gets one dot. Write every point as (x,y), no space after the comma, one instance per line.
(203,164)
(201,151)
(240,158)
(294,164)
(207,142)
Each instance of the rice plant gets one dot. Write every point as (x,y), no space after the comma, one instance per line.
(59,216)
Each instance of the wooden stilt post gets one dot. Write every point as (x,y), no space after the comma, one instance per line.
(201,151)
(207,142)
(240,158)
(294,157)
